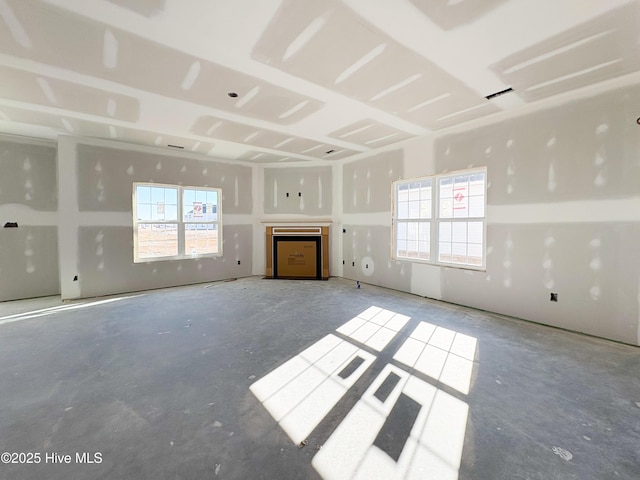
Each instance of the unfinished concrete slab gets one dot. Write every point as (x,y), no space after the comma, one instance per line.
(242,379)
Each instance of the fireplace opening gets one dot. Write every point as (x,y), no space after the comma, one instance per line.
(297,256)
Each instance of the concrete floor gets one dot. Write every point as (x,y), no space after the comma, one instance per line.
(189,383)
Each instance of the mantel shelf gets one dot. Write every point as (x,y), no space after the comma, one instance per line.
(297,250)
(294,223)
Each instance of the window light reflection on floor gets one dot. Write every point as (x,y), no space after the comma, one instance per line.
(433,448)
(441,354)
(61,308)
(402,427)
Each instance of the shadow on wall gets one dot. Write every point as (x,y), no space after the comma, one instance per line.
(367,183)
(366,252)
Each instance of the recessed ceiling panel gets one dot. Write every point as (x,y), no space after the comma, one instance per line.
(326,43)
(20,115)
(313,148)
(28,87)
(79,127)
(214,127)
(263,157)
(449,14)
(454,109)
(302,146)
(598,50)
(334,153)
(148,8)
(42,33)
(314,39)
(370,134)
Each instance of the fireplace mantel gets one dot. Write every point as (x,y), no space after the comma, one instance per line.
(296,223)
(307,243)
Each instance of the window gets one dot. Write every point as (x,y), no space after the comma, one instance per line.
(449,208)
(413,237)
(172,222)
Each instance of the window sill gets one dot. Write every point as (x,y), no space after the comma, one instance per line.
(178,257)
(438,264)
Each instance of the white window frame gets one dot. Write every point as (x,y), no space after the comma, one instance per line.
(436,220)
(180,223)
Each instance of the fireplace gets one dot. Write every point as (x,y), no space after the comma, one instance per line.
(297,252)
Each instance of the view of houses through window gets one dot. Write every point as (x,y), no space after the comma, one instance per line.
(449,208)
(171,221)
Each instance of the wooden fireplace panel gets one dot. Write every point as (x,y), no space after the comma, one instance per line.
(297,258)
(273,233)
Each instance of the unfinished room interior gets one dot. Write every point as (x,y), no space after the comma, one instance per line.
(320,239)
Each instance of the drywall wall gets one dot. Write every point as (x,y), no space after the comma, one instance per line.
(298,190)
(367,256)
(96,225)
(367,184)
(563,200)
(28,197)
(311,188)
(366,241)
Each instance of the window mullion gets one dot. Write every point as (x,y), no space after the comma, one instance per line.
(435,218)
(181,241)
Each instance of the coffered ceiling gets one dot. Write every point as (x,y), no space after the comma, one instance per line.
(295,80)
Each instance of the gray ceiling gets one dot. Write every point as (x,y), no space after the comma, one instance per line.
(315,79)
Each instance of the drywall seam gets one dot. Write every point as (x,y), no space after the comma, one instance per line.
(336,245)
(161,152)
(259,230)
(68,218)
(366,219)
(584,211)
(28,216)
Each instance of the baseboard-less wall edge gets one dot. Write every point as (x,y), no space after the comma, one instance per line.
(501,316)
(206,284)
